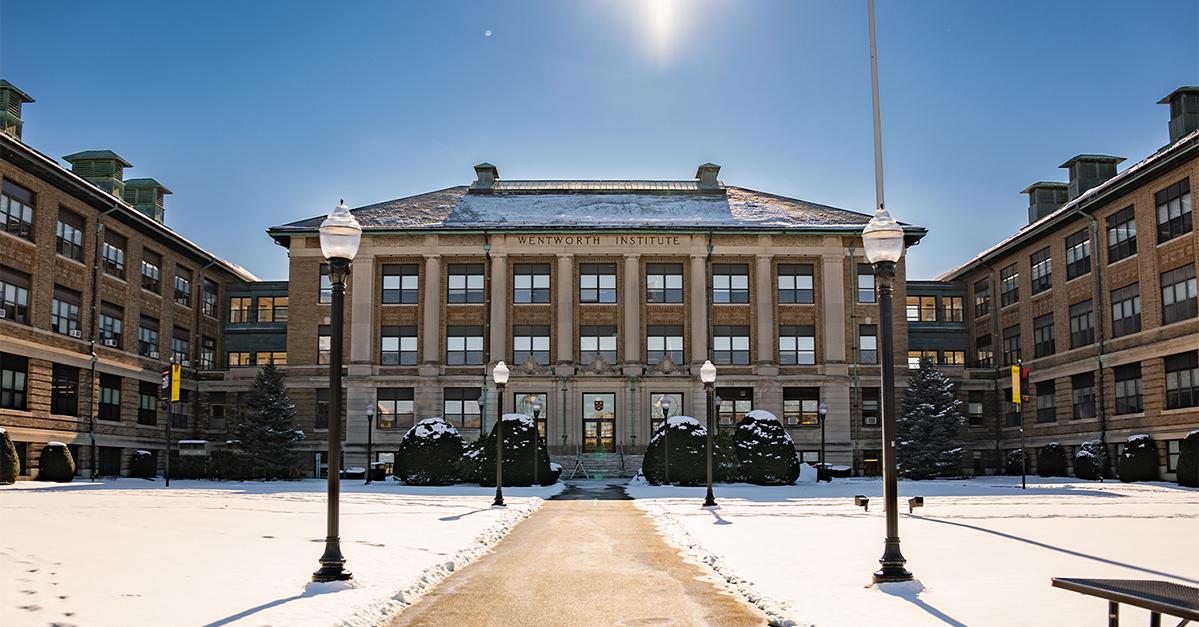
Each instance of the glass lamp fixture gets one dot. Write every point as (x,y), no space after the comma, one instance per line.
(340,234)
(707,372)
(500,373)
(883,238)
(536,405)
(664,403)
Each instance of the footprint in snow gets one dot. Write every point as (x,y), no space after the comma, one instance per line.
(30,608)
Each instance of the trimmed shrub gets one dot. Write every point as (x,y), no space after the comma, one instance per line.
(10,466)
(142,465)
(429,453)
(1015,462)
(190,466)
(56,463)
(765,450)
(1090,460)
(520,436)
(1051,461)
(675,454)
(227,463)
(1188,460)
(1138,462)
(467,466)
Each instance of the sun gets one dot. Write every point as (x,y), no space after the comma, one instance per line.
(661,20)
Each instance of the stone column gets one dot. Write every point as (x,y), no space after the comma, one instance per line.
(431,333)
(698,300)
(565,331)
(360,391)
(833,307)
(764,310)
(499,308)
(630,299)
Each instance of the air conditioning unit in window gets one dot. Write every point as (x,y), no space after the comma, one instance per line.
(3,314)
(872,420)
(110,342)
(153,354)
(792,420)
(76,333)
(186,363)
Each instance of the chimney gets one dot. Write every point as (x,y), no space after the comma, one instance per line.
(11,100)
(706,174)
(1184,111)
(147,195)
(105,168)
(485,176)
(1087,171)
(1045,197)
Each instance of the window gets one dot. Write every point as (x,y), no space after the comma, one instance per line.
(797,345)
(1042,336)
(531,283)
(321,413)
(111,325)
(801,406)
(1078,255)
(14,295)
(183,287)
(866,293)
(1173,452)
(16,210)
(1121,234)
(662,340)
(465,283)
(239,309)
(401,284)
(922,309)
(325,288)
(1082,395)
(655,413)
(952,309)
(730,283)
(974,407)
(1042,271)
(64,312)
(984,353)
(209,298)
(1173,211)
(180,349)
(915,357)
(734,404)
(597,283)
(953,358)
(1182,380)
(64,391)
(1013,417)
(207,353)
(664,283)
(279,358)
(181,412)
(14,374)
(1011,345)
(796,284)
(397,345)
(1128,389)
(1009,286)
(1179,299)
(461,407)
(69,234)
(395,408)
(524,405)
(730,345)
(464,345)
(1046,408)
(324,344)
(982,298)
(1082,324)
(151,271)
(147,403)
(272,308)
(216,410)
(870,407)
(868,343)
(113,253)
(1126,310)
(147,338)
(597,341)
(110,397)
(530,341)
(238,359)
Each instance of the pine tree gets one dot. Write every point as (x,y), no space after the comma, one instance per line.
(928,426)
(267,435)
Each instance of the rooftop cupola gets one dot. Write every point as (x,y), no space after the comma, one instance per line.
(1184,111)
(147,196)
(11,100)
(1087,171)
(105,168)
(1045,197)
(706,175)
(485,176)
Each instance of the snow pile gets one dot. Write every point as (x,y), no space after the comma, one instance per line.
(807,474)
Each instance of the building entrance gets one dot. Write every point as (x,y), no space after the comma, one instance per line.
(599,422)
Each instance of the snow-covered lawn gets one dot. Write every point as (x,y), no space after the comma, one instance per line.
(983,549)
(132,552)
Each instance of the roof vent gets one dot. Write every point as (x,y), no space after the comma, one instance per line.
(706,174)
(485,176)
(147,196)
(11,100)
(1184,111)
(1087,171)
(1045,197)
(104,168)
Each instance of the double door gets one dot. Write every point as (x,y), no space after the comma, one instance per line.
(599,423)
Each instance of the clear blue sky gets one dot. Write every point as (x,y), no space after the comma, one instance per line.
(260,113)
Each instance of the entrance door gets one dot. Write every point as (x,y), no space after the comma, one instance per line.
(599,422)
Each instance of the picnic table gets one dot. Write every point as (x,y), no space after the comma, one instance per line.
(1159,597)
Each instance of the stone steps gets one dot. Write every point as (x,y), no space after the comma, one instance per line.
(600,465)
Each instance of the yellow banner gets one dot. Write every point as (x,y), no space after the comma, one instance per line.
(175,370)
(1016,384)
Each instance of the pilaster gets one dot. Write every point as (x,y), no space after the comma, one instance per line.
(499,307)
(764,310)
(631,297)
(565,331)
(832,302)
(698,301)
(431,306)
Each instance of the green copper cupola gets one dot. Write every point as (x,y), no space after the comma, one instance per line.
(11,100)
(147,196)
(105,168)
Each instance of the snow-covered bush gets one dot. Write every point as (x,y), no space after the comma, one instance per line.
(765,450)
(429,453)
(520,436)
(10,466)
(1188,460)
(1138,462)
(1014,463)
(676,452)
(141,465)
(227,463)
(1051,461)
(928,443)
(1090,460)
(56,463)
(726,468)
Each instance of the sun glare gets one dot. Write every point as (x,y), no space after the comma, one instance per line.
(661,20)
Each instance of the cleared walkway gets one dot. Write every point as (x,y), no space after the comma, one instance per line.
(583,559)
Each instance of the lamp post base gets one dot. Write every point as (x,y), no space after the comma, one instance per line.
(332,564)
(893,564)
(709,500)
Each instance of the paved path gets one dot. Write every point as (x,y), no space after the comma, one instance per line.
(582,559)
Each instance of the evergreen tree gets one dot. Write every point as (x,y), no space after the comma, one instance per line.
(267,435)
(928,426)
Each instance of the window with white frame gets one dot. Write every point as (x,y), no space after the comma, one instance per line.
(531,283)
(797,345)
(464,345)
(730,345)
(730,283)
(397,345)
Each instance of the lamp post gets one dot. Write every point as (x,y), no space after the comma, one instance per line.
(340,236)
(500,375)
(707,374)
(822,409)
(370,428)
(536,406)
(664,403)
